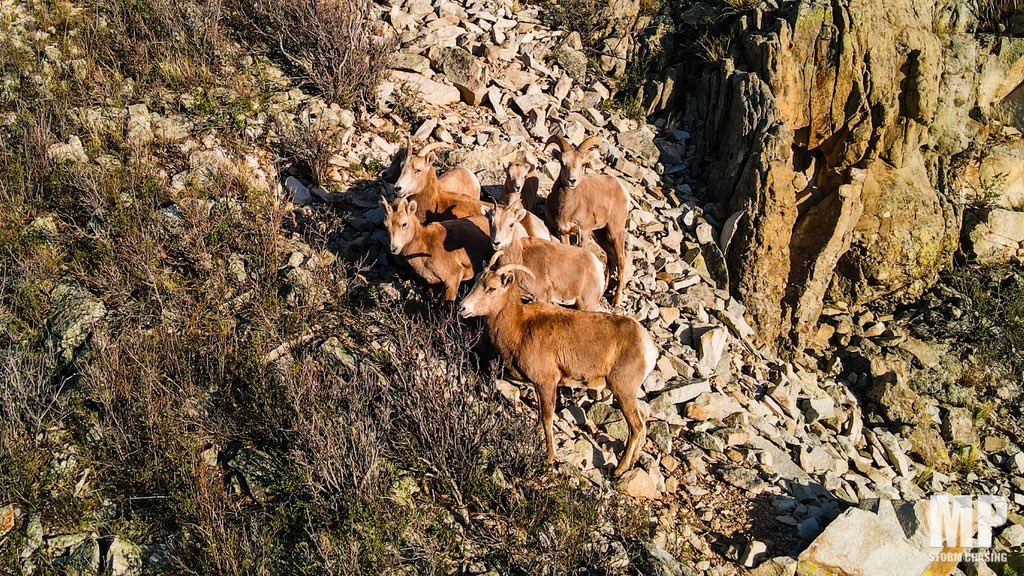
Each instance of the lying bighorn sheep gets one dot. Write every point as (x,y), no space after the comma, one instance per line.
(447,253)
(521,182)
(419,182)
(585,204)
(552,346)
(455,181)
(563,274)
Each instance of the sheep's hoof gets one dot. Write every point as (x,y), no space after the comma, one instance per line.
(619,471)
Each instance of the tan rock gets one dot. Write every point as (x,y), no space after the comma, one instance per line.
(924,353)
(995,235)
(7,518)
(827,141)
(712,406)
(432,92)
(861,543)
(639,484)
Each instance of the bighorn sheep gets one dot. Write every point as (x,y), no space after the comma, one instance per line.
(521,182)
(563,274)
(455,181)
(419,182)
(585,204)
(447,253)
(553,346)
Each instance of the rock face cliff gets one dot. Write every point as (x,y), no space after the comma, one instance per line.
(840,140)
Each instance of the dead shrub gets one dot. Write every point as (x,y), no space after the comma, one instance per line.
(337,439)
(28,393)
(714,48)
(310,144)
(586,17)
(743,6)
(335,44)
(995,16)
(144,34)
(32,435)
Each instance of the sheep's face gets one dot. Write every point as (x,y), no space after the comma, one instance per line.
(575,160)
(415,173)
(504,223)
(487,295)
(516,173)
(401,223)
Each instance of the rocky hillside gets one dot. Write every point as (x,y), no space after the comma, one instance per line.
(212,364)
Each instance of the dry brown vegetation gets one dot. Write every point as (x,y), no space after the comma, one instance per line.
(334,44)
(995,15)
(384,441)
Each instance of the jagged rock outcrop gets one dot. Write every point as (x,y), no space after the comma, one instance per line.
(828,135)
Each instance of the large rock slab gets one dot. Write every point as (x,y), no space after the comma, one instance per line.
(461,69)
(861,543)
(665,406)
(828,139)
(905,236)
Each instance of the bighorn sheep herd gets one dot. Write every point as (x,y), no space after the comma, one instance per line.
(449,235)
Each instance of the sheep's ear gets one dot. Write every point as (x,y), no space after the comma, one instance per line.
(519,213)
(485,209)
(411,207)
(507,278)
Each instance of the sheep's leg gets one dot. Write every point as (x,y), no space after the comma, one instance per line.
(603,239)
(451,289)
(551,213)
(617,236)
(546,393)
(590,297)
(637,433)
(584,236)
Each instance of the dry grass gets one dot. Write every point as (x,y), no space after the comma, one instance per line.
(587,17)
(743,6)
(161,28)
(335,44)
(995,15)
(714,48)
(966,461)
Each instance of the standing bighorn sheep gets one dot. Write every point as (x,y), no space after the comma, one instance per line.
(448,253)
(563,274)
(521,182)
(553,346)
(590,204)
